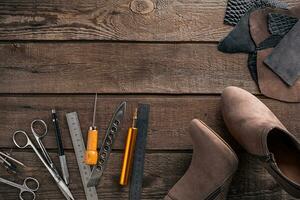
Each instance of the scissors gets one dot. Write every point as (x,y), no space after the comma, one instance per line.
(39,131)
(26,188)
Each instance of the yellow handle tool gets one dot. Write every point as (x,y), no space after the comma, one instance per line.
(129,152)
(91,154)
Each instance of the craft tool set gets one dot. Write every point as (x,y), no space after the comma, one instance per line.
(134,152)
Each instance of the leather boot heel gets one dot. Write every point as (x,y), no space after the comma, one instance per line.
(210,172)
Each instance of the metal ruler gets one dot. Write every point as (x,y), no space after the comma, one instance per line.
(79,147)
(139,154)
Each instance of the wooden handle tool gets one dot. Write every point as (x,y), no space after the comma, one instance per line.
(91,154)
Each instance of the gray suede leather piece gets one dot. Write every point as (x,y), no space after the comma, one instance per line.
(285,58)
(271,85)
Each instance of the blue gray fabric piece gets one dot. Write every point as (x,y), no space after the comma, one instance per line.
(238,8)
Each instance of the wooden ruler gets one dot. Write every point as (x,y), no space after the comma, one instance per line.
(139,154)
(79,147)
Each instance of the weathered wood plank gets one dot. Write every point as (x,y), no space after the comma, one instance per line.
(135,20)
(120,68)
(143,20)
(250,183)
(169,117)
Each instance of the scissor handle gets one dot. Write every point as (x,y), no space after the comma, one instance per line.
(33,187)
(21,146)
(28,188)
(39,134)
(24,192)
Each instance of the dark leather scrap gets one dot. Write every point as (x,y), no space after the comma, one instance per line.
(238,8)
(280,24)
(239,39)
(252,66)
(270,42)
(285,58)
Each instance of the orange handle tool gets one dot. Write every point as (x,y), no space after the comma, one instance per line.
(91,154)
(129,152)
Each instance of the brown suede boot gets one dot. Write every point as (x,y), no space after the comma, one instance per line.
(258,130)
(211,169)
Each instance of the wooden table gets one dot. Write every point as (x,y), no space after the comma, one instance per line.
(57,54)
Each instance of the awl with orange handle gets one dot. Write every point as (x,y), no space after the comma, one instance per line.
(129,152)
(91,154)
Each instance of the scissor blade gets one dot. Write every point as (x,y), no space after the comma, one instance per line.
(65,190)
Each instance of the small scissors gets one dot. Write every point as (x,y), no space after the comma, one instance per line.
(26,188)
(39,130)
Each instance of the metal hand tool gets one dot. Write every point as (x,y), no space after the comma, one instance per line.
(5,159)
(136,182)
(91,154)
(112,131)
(129,152)
(37,130)
(27,188)
(61,153)
(79,147)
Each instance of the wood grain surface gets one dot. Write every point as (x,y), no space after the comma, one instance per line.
(129,20)
(120,68)
(251,181)
(58,53)
(147,20)
(168,125)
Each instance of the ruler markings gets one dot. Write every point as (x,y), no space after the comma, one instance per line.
(139,155)
(79,147)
